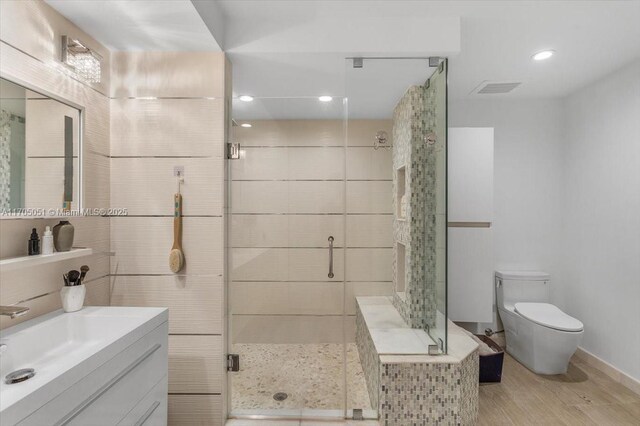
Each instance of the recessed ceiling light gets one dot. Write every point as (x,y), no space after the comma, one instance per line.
(325,98)
(542,55)
(245,125)
(246,98)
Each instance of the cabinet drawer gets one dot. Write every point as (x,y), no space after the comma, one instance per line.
(108,393)
(152,410)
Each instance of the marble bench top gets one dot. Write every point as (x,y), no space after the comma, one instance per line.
(396,342)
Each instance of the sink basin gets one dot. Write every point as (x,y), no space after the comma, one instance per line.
(64,347)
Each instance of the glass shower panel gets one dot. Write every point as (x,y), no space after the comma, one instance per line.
(396,190)
(395,206)
(287,240)
(436,99)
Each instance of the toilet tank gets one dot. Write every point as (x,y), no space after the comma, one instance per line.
(521,286)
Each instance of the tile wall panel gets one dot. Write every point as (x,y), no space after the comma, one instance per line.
(292,328)
(370,230)
(292,197)
(194,302)
(169,109)
(167,127)
(142,245)
(366,197)
(298,163)
(288,196)
(366,163)
(163,74)
(195,364)
(286,298)
(98,292)
(29,50)
(363,132)
(369,264)
(302,133)
(96,176)
(285,264)
(146,186)
(196,410)
(286,230)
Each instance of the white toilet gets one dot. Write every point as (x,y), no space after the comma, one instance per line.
(538,334)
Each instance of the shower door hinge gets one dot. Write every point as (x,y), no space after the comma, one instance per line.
(233,151)
(233,362)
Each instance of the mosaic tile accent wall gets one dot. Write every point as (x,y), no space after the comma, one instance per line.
(368,358)
(429,393)
(414,117)
(5,157)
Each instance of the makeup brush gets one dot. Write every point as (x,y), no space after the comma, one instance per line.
(73,277)
(83,269)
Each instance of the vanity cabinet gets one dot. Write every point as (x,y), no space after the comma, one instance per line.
(128,389)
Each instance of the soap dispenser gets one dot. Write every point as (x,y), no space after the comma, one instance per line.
(34,243)
(47,241)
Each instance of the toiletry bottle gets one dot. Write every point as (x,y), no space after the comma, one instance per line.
(34,243)
(47,241)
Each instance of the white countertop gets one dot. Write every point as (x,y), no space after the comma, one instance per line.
(64,347)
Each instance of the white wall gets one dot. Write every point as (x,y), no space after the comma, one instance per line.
(528,172)
(601,280)
(567,201)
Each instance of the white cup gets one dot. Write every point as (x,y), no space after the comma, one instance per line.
(73,297)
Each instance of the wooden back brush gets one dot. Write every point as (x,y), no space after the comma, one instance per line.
(176,256)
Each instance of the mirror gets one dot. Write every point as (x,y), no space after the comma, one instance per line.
(39,153)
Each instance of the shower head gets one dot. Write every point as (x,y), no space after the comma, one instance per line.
(381,140)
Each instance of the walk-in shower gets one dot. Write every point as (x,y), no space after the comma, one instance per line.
(312,227)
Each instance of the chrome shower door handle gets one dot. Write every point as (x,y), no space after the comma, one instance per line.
(330,275)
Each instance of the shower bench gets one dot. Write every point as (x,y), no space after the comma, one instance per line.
(403,379)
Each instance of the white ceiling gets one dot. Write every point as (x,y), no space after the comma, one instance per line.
(140,24)
(497,41)
(298,48)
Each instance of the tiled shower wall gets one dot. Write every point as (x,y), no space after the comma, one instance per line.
(423,230)
(168,110)
(287,197)
(30,34)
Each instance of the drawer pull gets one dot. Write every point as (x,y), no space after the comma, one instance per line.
(148,414)
(87,402)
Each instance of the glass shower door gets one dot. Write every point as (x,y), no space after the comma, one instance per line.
(286,258)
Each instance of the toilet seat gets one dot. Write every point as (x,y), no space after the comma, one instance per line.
(548,315)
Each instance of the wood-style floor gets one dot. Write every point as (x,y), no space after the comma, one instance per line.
(583,396)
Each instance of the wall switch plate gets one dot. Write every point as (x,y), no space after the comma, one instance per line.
(178,171)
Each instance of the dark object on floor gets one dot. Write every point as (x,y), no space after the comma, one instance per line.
(491,365)
(280,396)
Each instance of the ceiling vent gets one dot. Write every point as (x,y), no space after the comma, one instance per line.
(495,87)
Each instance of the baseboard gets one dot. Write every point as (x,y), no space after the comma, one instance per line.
(608,369)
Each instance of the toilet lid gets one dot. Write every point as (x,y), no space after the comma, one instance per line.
(549,316)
